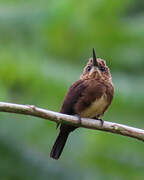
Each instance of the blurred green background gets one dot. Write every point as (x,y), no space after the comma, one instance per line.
(44,46)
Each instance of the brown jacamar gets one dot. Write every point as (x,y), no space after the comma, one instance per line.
(88,97)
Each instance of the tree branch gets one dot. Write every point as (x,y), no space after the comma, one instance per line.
(63,118)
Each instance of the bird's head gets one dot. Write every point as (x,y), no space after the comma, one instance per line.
(96,68)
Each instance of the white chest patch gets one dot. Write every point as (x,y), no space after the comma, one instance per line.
(96,108)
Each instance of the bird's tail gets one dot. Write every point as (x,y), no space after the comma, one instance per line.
(59,144)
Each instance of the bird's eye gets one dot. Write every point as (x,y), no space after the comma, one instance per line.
(88,68)
(102,68)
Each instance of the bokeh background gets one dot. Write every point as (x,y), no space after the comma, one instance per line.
(44,46)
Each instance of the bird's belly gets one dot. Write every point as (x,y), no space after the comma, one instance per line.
(96,108)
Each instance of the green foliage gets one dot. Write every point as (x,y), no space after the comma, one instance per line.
(44,46)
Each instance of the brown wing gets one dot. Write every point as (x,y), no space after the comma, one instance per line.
(95,89)
(72,96)
(110,94)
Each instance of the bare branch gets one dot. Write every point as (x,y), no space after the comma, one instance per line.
(63,118)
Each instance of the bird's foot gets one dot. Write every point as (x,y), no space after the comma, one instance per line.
(101,121)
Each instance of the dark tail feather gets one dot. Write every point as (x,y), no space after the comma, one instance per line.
(59,144)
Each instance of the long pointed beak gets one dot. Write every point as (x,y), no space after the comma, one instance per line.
(95,63)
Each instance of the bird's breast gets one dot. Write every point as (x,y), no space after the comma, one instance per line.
(96,108)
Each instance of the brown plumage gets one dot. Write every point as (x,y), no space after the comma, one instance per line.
(88,97)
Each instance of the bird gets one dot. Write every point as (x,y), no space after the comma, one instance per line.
(88,97)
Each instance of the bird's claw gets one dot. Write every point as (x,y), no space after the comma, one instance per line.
(101,121)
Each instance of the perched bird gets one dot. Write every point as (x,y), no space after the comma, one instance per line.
(88,97)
